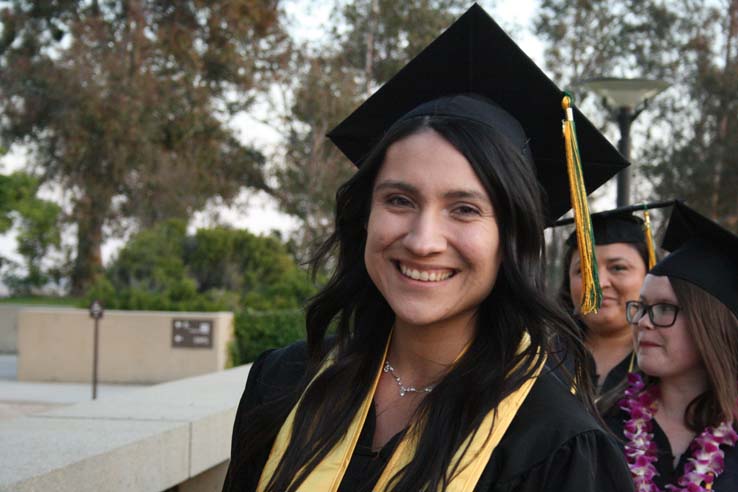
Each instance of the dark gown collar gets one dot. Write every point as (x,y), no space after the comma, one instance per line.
(615,376)
(367,465)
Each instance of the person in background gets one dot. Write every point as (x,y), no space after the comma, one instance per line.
(622,251)
(434,379)
(677,418)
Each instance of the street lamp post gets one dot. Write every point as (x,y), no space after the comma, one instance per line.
(626,99)
(96,313)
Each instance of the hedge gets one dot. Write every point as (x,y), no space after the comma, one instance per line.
(256,332)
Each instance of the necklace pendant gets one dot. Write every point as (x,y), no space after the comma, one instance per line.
(403,389)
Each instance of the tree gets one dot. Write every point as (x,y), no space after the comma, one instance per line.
(37,221)
(690,132)
(700,163)
(125,104)
(368,42)
(215,269)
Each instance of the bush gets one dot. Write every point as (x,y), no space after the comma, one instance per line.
(256,332)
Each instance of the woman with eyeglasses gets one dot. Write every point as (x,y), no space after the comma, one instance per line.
(677,417)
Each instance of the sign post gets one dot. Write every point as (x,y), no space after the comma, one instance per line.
(96,313)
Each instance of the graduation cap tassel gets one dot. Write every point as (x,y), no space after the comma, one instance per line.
(648,232)
(591,292)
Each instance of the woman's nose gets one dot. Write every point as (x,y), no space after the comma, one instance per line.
(604,276)
(645,322)
(425,235)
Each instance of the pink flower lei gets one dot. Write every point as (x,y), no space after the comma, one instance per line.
(706,463)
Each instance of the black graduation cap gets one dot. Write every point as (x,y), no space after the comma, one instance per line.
(702,253)
(614,227)
(475,57)
(618,225)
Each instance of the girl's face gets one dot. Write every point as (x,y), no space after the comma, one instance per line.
(664,352)
(432,245)
(621,271)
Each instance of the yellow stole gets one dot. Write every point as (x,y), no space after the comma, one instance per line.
(468,462)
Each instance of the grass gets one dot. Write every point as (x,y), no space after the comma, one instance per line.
(42,300)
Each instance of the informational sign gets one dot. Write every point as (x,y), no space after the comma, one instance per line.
(192,333)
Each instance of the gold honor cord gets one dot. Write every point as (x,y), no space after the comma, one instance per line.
(648,232)
(591,291)
(469,461)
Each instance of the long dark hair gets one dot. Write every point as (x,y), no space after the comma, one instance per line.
(351,305)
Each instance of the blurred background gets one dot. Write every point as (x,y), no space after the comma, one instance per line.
(160,155)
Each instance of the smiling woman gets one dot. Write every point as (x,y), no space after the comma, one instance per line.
(435,378)
(622,263)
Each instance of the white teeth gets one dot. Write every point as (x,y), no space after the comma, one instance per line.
(424,276)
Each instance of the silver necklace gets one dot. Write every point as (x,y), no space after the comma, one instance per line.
(403,389)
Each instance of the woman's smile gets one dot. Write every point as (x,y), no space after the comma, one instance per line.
(427,274)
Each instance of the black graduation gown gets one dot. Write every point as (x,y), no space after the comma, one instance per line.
(615,376)
(552,444)
(667,473)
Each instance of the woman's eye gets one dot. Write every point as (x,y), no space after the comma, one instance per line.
(620,268)
(398,201)
(466,210)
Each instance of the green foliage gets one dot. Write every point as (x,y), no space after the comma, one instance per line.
(236,259)
(217,269)
(42,300)
(37,221)
(256,332)
(152,259)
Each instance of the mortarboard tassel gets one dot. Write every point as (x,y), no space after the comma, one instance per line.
(648,231)
(591,291)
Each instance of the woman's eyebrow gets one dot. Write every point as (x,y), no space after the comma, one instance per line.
(618,258)
(396,185)
(657,300)
(466,194)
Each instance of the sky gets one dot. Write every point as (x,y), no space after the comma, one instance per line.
(257,212)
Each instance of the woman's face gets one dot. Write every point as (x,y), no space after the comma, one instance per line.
(621,270)
(432,245)
(664,352)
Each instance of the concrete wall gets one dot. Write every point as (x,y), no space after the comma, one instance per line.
(134,346)
(147,440)
(9,327)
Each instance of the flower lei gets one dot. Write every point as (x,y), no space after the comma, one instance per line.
(706,463)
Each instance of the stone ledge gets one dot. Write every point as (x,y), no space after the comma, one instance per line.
(146,440)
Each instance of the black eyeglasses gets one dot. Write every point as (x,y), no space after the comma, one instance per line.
(662,314)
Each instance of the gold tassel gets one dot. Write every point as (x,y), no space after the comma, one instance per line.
(648,232)
(591,291)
